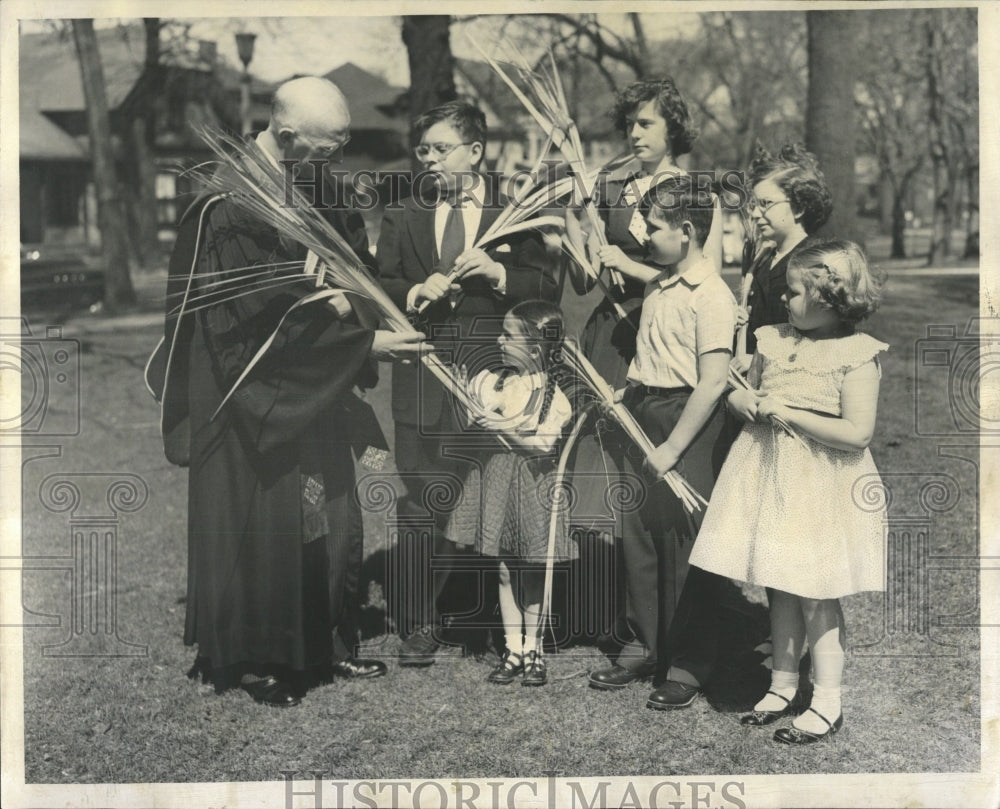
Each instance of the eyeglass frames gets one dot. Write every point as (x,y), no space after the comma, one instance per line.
(441,150)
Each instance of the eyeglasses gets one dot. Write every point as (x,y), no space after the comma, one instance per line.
(764,205)
(327,151)
(441,150)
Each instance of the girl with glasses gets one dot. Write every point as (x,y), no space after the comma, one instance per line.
(790,201)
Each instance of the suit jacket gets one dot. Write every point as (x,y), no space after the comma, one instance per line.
(407,256)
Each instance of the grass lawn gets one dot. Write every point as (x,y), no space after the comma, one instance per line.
(911,698)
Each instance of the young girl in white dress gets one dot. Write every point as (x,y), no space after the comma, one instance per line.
(787,512)
(506,506)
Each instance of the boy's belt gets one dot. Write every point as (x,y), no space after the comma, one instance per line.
(650,390)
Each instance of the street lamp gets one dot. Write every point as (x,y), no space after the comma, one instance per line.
(244,47)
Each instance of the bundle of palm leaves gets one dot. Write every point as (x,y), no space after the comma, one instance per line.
(547,105)
(257,184)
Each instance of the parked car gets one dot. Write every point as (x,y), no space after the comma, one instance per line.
(65,274)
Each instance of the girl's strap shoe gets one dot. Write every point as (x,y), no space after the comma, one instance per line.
(758,719)
(506,671)
(794,735)
(534,669)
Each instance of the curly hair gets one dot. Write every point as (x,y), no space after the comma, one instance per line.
(796,172)
(837,274)
(543,322)
(681,131)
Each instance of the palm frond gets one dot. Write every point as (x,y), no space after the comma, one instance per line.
(259,186)
(582,367)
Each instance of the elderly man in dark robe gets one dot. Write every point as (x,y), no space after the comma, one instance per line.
(275,534)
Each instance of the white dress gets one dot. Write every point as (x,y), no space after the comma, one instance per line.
(807,520)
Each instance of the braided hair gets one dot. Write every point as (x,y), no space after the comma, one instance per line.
(543,323)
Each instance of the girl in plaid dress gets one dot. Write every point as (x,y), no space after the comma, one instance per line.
(506,501)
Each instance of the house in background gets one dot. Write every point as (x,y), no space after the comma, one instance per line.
(58,204)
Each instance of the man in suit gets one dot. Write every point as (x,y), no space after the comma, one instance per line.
(458,295)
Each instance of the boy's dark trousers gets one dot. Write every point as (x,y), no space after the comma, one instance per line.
(672,607)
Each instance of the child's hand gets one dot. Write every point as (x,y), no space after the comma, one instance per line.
(742,316)
(745,404)
(476,263)
(771,408)
(741,362)
(611,255)
(619,395)
(436,286)
(662,459)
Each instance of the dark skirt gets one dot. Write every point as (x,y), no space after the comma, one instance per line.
(506,507)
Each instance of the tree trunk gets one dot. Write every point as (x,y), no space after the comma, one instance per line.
(144,132)
(898,223)
(972,226)
(432,67)
(830,111)
(642,47)
(939,144)
(118,291)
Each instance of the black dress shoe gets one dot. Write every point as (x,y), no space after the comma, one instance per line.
(356,668)
(534,669)
(506,671)
(615,677)
(673,695)
(271,691)
(794,735)
(758,719)
(418,649)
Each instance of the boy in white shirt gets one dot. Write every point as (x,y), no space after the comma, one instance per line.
(676,382)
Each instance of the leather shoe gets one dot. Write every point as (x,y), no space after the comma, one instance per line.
(758,719)
(615,677)
(418,649)
(356,668)
(794,735)
(673,695)
(506,671)
(534,670)
(271,691)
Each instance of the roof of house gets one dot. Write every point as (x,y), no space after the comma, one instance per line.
(372,99)
(43,140)
(49,78)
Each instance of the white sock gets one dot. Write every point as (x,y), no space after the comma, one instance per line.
(515,644)
(826,702)
(530,645)
(785,683)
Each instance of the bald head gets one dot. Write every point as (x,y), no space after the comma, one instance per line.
(310,120)
(310,102)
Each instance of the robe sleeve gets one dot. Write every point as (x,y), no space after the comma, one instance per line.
(313,359)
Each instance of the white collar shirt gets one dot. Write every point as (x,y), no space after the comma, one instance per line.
(683,317)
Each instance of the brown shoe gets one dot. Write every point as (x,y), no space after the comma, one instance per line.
(418,649)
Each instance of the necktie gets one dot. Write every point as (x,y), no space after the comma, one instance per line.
(452,243)
(453,240)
